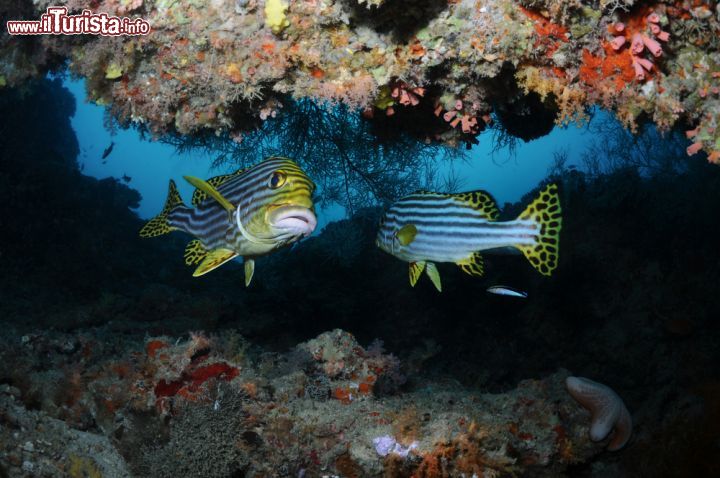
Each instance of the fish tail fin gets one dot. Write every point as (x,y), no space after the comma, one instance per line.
(160,224)
(546,213)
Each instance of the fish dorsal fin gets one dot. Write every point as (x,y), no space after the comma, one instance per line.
(249,270)
(195,252)
(160,224)
(480,201)
(213,260)
(415,270)
(434,275)
(473,265)
(407,234)
(210,191)
(199,195)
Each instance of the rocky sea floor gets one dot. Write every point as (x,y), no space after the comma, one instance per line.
(100,403)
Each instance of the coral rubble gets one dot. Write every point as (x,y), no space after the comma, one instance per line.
(225,65)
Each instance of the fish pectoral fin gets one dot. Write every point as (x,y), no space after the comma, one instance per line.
(210,191)
(481,201)
(195,252)
(415,270)
(213,260)
(249,270)
(473,265)
(434,275)
(407,234)
(199,195)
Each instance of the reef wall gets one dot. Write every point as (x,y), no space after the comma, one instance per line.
(446,67)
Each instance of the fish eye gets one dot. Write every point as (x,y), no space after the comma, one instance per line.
(277,179)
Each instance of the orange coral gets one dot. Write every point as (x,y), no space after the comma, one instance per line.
(614,68)
(153,346)
(462,456)
(545,27)
(190,383)
(343,394)
(233,71)
(550,35)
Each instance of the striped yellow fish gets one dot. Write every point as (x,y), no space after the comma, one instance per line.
(247,213)
(426,227)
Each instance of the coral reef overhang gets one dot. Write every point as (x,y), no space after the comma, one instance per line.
(226,65)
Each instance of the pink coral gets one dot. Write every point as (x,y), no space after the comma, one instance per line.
(406,95)
(467,122)
(641,40)
(618,42)
(694,148)
(652,45)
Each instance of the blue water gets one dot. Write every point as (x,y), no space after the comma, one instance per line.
(151,164)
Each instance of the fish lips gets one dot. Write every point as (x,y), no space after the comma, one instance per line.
(293,220)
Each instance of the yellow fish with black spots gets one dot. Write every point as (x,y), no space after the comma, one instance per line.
(426,227)
(248,213)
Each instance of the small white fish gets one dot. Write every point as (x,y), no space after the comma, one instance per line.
(504,290)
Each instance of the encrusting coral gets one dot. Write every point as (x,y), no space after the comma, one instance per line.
(225,65)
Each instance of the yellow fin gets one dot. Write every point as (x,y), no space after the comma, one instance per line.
(434,275)
(480,201)
(213,260)
(210,191)
(194,252)
(473,265)
(416,268)
(546,212)
(249,270)
(199,195)
(407,234)
(159,225)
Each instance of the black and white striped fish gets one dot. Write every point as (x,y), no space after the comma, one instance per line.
(247,213)
(426,227)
